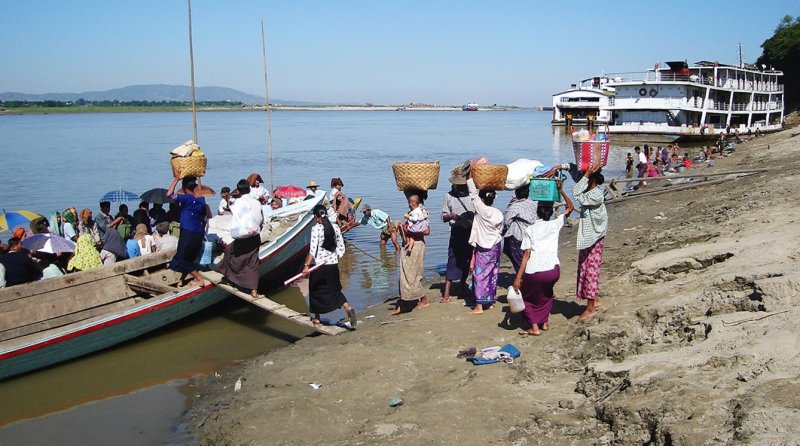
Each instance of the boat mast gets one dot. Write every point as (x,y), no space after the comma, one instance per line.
(267,106)
(191,64)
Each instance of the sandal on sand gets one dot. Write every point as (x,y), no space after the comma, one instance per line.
(446,299)
(352,315)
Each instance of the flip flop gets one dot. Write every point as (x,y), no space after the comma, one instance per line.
(446,299)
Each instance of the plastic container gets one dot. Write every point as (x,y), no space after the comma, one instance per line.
(514,299)
(544,189)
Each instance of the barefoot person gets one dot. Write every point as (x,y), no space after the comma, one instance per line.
(190,242)
(240,262)
(486,237)
(539,269)
(592,229)
(324,285)
(412,265)
(381,221)
(458,212)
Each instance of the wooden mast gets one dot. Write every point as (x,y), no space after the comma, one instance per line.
(191,64)
(267,107)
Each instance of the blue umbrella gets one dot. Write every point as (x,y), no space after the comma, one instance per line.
(119,195)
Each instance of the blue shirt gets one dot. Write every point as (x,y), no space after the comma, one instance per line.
(133,248)
(193,212)
(377,219)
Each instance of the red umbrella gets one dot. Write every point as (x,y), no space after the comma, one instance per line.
(289,192)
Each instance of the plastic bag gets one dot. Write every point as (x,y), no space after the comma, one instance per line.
(519,173)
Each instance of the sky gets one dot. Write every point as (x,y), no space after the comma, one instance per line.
(382,52)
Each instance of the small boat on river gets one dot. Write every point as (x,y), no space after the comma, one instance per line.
(472,106)
(58,319)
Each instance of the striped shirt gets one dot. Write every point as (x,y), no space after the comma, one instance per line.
(518,216)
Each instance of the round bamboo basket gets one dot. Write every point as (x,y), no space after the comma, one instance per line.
(489,176)
(190,166)
(418,175)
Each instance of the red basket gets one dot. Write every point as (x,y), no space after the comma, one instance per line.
(587,152)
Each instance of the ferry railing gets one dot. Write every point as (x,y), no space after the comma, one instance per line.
(726,83)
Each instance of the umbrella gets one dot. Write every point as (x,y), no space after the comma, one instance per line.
(10,220)
(48,243)
(157,195)
(119,195)
(289,192)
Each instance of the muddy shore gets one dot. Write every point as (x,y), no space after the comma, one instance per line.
(696,342)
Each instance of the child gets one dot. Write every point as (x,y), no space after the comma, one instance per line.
(417,220)
(629,166)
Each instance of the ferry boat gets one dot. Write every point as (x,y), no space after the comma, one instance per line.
(584,103)
(678,102)
(472,106)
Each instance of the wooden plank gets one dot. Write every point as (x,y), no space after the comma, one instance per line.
(664,190)
(147,285)
(273,307)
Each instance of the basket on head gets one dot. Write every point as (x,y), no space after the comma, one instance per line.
(190,166)
(588,152)
(489,176)
(416,175)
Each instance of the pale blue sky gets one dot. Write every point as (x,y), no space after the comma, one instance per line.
(387,52)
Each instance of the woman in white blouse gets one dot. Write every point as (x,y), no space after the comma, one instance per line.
(325,287)
(486,237)
(539,269)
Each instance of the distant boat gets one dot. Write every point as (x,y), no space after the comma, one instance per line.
(470,107)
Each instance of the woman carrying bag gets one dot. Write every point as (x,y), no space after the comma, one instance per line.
(240,262)
(324,285)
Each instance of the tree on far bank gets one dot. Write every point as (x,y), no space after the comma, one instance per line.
(782,52)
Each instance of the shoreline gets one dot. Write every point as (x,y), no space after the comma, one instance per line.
(248,108)
(677,355)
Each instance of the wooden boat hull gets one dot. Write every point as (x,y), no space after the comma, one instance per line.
(48,347)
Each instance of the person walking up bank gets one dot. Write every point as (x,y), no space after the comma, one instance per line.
(592,229)
(486,238)
(324,284)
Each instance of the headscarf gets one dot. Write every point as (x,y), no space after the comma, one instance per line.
(330,235)
(70,215)
(141,232)
(85,256)
(251,179)
(85,215)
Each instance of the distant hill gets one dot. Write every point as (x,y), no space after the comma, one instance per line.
(157,92)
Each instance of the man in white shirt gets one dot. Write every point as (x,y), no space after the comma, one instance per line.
(226,201)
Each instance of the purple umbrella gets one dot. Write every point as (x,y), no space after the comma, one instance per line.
(50,243)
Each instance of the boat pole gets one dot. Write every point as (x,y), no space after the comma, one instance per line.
(267,106)
(191,65)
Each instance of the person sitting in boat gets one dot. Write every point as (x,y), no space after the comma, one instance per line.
(104,219)
(19,266)
(85,256)
(157,215)
(313,189)
(257,190)
(381,221)
(142,217)
(225,203)
(165,239)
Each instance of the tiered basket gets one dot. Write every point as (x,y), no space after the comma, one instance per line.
(190,166)
(489,176)
(418,175)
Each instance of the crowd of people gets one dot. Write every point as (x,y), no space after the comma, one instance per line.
(527,232)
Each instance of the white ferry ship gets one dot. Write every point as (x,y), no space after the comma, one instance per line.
(472,106)
(682,102)
(583,103)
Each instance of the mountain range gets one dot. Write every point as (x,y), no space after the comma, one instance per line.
(156,93)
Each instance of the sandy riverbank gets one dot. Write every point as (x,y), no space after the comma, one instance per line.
(696,342)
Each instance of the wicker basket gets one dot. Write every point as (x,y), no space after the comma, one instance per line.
(590,152)
(489,176)
(190,166)
(420,176)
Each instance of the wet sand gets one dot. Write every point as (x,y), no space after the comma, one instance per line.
(696,342)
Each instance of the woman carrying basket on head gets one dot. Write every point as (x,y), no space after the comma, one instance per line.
(190,242)
(324,285)
(486,237)
(592,229)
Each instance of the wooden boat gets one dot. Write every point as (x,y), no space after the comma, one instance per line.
(54,320)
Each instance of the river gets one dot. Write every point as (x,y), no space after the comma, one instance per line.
(135,393)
